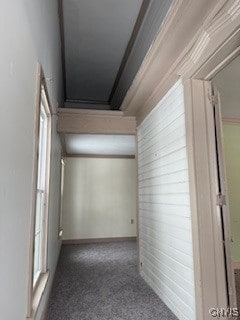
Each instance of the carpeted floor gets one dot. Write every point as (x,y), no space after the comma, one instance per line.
(100,282)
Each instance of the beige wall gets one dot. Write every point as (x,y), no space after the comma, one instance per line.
(227,81)
(231,135)
(99,198)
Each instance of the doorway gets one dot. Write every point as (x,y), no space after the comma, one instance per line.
(226,84)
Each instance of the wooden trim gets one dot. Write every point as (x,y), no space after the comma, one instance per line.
(39,294)
(137,207)
(94,122)
(34,187)
(206,232)
(82,112)
(190,142)
(100,156)
(236,265)
(48,102)
(98,240)
(209,275)
(233,121)
(218,63)
(48,110)
(63,144)
(84,101)
(31,291)
(209,50)
(207,68)
(138,24)
(86,106)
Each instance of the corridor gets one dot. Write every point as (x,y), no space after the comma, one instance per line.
(100,281)
(112,122)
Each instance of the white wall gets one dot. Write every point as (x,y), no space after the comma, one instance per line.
(99,198)
(228,82)
(29,33)
(231,138)
(164,206)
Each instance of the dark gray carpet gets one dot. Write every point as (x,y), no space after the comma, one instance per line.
(100,281)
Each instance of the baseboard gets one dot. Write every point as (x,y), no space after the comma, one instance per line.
(236,265)
(98,240)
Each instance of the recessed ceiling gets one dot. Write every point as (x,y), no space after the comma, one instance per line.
(228,83)
(92,144)
(96,34)
(104,43)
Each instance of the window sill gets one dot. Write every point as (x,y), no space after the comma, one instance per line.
(38,294)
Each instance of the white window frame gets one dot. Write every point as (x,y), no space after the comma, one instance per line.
(44,111)
(36,289)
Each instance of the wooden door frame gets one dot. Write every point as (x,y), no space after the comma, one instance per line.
(207,241)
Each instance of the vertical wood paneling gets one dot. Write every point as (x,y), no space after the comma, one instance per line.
(164,206)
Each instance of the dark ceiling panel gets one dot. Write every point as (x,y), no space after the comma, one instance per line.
(104,43)
(150,27)
(96,34)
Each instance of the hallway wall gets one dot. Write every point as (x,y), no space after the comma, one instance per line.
(231,137)
(29,33)
(99,198)
(227,82)
(166,253)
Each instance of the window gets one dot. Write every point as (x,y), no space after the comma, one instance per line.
(42,192)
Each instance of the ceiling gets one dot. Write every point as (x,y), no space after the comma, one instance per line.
(228,84)
(103,45)
(91,144)
(96,36)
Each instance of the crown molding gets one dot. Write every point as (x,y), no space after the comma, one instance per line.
(209,33)
(81,112)
(99,156)
(87,104)
(193,31)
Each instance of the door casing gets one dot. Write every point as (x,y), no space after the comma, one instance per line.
(209,265)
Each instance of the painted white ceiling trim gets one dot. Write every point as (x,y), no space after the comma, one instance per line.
(92,144)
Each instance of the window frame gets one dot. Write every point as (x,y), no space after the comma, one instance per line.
(35,292)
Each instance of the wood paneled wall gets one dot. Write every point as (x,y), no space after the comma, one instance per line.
(166,256)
